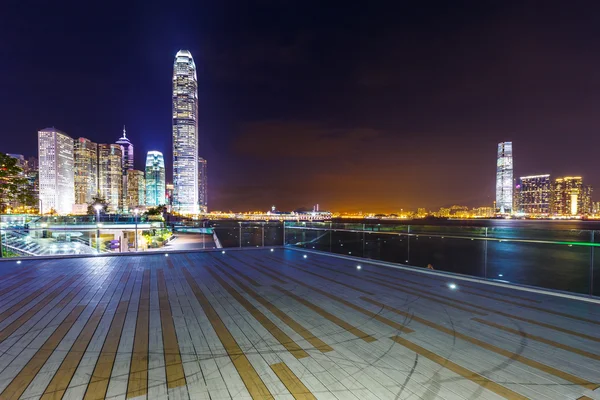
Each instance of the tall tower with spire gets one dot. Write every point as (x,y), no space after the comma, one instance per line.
(185,134)
(126,163)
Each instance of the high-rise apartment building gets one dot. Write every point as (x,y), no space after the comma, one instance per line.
(155,179)
(127,163)
(570,197)
(185,134)
(136,189)
(56,171)
(534,194)
(110,176)
(86,170)
(504,178)
(202,185)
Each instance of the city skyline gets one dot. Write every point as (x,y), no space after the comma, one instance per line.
(290,115)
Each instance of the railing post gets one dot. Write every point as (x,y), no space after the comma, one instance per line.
(592,264)
(263,233)
(240,234)
(485,248)
(363,240)
(283,239)
(408,245)
(330,237)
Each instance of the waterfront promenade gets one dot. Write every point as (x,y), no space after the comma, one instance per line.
(283,324)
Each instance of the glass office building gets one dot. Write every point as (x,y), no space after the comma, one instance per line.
(504,178)
(185,134)
(155,179)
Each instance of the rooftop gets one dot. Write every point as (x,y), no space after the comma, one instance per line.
(254,324)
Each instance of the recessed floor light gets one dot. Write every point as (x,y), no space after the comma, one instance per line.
(358,267)
(452,286)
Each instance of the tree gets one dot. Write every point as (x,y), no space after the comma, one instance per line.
(158,210)
(13,184)
(97,200)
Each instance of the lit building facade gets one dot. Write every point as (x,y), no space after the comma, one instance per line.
(504,178)
(110,176)
(203,185)
(169,189)
(127,163)
(56,171)
(185,134)
(136,189)
(86,170)
(534,194)
(571,197)
(155,179)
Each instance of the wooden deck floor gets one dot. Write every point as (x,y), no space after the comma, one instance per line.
(260,324)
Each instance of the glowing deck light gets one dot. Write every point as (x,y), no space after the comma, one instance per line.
(358,267)
(223,252)
(19,262)
(305,256)
(272,250)
(166,255)
(500,275)
(452,286)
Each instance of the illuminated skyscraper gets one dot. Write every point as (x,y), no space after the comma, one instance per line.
(185,134)
(570,196)
(56,171)
(86,170)
(127,163)
(534,194)
(155,179)
(136,189)
(504,178)
(202,185)
(110,176)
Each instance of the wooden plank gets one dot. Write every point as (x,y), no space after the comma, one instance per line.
(15,285)
(337,282)
(289,321)
(98,384)
(353,306)
(495,349)
(137,384)
(24,302)
(60,382)
(273,329)
(26,316)
(250,377)
(327,315)
(459,370)
(247,278)
(173,365)
(19,384)
(291,382)
(539,339)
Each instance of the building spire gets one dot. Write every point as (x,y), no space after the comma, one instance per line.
(124,132)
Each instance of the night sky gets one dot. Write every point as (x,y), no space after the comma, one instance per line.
(370,106)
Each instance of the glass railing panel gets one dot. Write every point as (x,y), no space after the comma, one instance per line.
(386,247)
(308,238)
(252,235)
(273,234)
(347,242)
(595,265)
(446,253)
(557,266)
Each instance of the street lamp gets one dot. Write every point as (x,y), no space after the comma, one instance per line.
(98,207)
(136,212)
